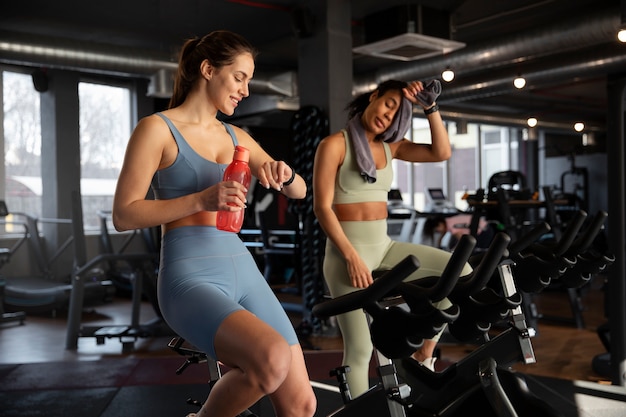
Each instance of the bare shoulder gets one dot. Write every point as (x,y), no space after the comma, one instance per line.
(238,130)
(152,139)
(245,139)
(242,134)
(153,127)
(151,124)
(335,142)
(331,151)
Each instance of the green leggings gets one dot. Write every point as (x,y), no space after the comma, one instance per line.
(378,251)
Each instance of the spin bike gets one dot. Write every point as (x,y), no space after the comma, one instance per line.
(194,356)
(405,387)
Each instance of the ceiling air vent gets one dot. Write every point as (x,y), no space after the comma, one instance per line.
(409,47)
(407,34)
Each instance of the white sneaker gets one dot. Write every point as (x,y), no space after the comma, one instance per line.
(429,363)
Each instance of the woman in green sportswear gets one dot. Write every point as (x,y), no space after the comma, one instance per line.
(351,180)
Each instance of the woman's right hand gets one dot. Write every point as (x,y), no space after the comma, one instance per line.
(225,195)
(360,275)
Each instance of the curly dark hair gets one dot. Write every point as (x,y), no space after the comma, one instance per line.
(360,102)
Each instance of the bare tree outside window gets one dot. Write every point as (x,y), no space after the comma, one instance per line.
(104,132)
(22,143)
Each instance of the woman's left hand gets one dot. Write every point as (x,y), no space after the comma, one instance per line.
(412,89)
(272,174)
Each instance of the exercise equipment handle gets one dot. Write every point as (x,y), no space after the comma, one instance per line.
(451,273)
(488,264)
(570,233)
(583,242)
(529,238)
(361,298)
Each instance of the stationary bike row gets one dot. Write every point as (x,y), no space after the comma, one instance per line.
(482,379)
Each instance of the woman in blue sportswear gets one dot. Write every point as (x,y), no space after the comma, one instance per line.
(351,179)
(210,290)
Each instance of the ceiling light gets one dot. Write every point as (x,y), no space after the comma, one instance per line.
(532,122)
(519,82)
(579,126)
(447,75)
(621,35)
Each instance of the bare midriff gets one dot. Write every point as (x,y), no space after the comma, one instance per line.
(369,211)
(202,218)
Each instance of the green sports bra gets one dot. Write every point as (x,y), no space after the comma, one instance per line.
(350,187)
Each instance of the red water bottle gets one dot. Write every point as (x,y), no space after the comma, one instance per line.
(239,171)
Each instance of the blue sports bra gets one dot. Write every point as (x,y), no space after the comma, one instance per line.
(190,172)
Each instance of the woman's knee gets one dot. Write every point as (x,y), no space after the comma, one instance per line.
(262,354)
(308,405)
(272,366)
(295,400)
(304,405)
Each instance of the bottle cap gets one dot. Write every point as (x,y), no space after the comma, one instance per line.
(241,153)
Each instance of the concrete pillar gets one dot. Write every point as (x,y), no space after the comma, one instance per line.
(3,173)
(325,61)
(616,169)
(60,170)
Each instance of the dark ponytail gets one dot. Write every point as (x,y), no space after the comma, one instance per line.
(220,47)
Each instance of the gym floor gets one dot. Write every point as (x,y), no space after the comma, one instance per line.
(562,350)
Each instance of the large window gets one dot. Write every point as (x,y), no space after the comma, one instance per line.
(22,144)
(463,165)
(104,132)
(105,126)
(417,177)
(499,150)
(478,151)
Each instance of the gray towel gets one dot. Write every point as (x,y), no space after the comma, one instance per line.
(396,131)
(429,94)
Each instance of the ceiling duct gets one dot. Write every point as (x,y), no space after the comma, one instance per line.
(21,49)
(161,84)
(409,33)
(70,54)
(596,63)
(283,84)
(581,32)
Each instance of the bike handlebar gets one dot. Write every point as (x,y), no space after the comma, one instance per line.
(361,298)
